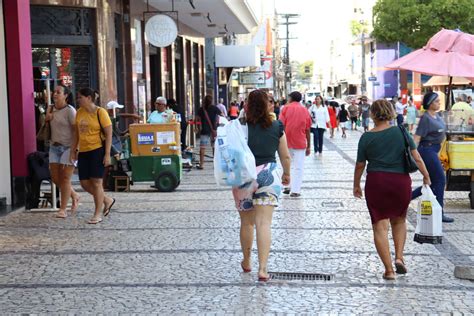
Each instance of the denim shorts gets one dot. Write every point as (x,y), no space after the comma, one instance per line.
(205,140)
(60,154)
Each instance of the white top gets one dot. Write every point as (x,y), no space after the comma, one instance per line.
(319,116)
(400,108)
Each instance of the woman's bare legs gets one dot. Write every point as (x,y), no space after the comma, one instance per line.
(61,176)
(399,233)
(381,244)
(263,222)
(94,187)
(247,225)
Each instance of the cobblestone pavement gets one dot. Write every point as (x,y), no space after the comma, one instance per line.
(179,253)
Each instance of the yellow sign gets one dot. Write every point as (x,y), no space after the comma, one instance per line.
(426,208)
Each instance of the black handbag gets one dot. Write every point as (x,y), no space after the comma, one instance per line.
(409,160)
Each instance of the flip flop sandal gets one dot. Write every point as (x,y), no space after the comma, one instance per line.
(400,267)
(94,221)
(61,215)
(74,209)
(390,276)
(107,210)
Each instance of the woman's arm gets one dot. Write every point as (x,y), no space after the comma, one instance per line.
(285,160)
(75,142)
(417,139)
(358,171)
(108,144)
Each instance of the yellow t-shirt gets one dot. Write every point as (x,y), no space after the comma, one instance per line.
(90,133)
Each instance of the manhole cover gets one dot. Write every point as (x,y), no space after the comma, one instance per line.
(289,276)
(332,204)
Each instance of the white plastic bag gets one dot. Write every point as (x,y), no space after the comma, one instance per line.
(429,228)
(234,163)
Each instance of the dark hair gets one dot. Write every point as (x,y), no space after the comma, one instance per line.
(207,101)
(88,92)
(428,98)
(67,93)
(320,97)
(343,107)
(296,96)
(257,109)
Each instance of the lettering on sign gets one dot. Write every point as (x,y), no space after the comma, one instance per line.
(161,30)
(166,161)
(426,208)
(146,139)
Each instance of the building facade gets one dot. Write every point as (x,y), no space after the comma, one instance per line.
(99,44)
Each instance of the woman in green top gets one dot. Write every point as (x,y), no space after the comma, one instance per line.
(388,184)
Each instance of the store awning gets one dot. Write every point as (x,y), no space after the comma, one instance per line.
(237,56)
(209,18)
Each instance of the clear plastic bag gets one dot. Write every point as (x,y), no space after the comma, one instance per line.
(234,163)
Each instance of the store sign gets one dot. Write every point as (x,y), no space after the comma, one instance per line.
(161,30)
(257,77)
(376,83)
(372,78)
(146,139)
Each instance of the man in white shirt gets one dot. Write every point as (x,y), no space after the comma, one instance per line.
(319,117)
(222,107)
(400,109)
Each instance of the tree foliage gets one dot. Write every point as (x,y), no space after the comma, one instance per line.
(305,70)
(358,28)
(413,22)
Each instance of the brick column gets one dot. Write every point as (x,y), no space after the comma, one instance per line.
(20,90)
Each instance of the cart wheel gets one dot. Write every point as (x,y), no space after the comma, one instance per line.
(166,182)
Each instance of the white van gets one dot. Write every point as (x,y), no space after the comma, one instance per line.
(310,95)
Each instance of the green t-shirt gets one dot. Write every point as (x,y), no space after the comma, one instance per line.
(264,142)
(384,150)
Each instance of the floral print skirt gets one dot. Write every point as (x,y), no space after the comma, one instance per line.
(265,190)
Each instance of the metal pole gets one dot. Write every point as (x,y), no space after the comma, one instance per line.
(363,84)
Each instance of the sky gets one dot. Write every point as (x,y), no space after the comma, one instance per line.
(319,22)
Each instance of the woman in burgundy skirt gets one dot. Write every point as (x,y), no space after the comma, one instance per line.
(388,184)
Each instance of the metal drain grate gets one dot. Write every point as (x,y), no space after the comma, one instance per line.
(290,276)
(332,204)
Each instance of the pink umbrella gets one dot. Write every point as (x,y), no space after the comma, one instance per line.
(447,53)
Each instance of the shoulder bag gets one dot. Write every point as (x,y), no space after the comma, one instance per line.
(44,133)
(213,129)
(113,149)
(409,160)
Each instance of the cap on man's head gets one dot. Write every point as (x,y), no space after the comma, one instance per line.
(296,96)
(114,105)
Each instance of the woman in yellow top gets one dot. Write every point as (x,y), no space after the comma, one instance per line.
(91,148)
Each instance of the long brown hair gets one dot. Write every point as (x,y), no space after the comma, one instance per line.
(257,109)
(207,102)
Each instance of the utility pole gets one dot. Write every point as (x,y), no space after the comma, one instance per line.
(363,84)
(287,23)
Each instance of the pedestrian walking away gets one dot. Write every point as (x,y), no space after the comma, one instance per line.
(353,113)
(222,107)
(343,118)
(364,113)
(412,113)
(297,122)
(62,119)
(332,110)
(234,111)
(388,183)
(207,118)
(400,108)
(429,135)
(91,148)
(257,200)
(320,119)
